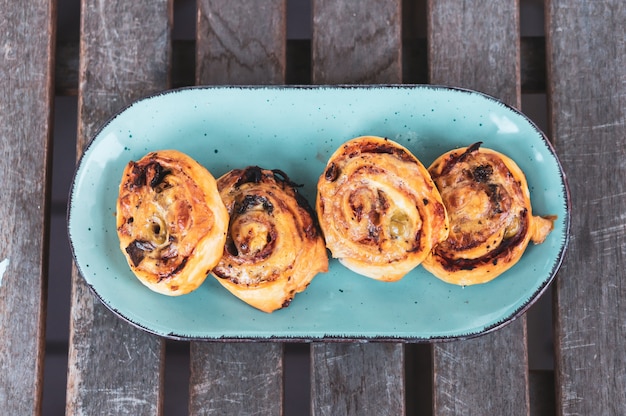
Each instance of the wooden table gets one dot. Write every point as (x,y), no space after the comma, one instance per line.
(126,52)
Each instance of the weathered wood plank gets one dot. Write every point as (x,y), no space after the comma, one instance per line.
(241,42)
(357,379)
(236,378)
(586,44)
(486,375)
(115,368)
(234,48)
(475,44)
(26,98)
(357,42)
(298,71)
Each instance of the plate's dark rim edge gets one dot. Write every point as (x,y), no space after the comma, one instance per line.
(338,338)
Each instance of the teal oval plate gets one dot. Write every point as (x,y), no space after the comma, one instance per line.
(296,129)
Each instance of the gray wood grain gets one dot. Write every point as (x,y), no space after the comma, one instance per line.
(236,378)
(238,43)
(413,55)
(115,368)
(475,44)
(357,379)
(483,376)
(357,42)
(586,44)
(26,97)
(241,42)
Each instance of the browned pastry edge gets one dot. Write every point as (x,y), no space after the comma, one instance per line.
(274,246)
(170,220)
(378,208)
(491,221)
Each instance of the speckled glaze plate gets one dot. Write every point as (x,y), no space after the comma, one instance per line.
(296,129)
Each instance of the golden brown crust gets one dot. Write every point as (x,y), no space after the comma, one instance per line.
(378,208)
(274,247)
(171,222)
(491,221)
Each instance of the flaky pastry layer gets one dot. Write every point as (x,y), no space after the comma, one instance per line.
(171,222)
(274,247)
(380,212)
(491,221)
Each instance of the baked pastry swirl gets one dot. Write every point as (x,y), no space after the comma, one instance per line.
(171,222)
(491,221)
(380,212)
(274,247)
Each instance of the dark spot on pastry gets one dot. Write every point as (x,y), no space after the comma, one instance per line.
(383,203)
(495,197)
(138,175)
(137,250)
(332,173)
(231,248)
(358,211)
(251,174)
(389,149)
(472,148)
(218,272)
(373,232)
(453,159)
(250,201)
(281,177)
(174,272)
(425,201)
(158,173)
(482,173)
(416,243)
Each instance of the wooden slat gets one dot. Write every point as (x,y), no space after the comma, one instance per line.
(238,43)
(241,42)
(475,44)
(115,368)
(586,44)
(357,379)
(236,379)
(298,69)
(26,56)
(357,41)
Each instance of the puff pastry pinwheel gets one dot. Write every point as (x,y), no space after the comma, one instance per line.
(378,208)
(491,221)
(274,247)
(171,222)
